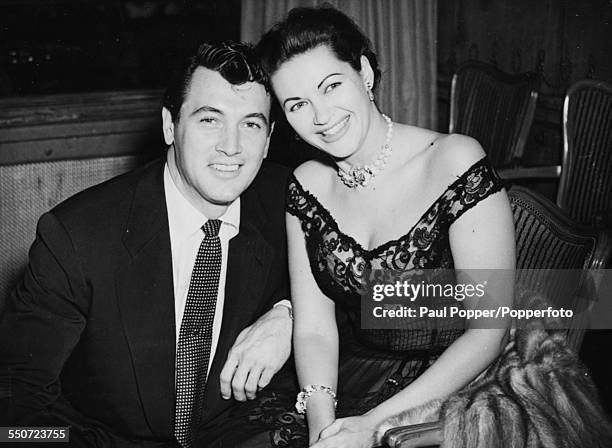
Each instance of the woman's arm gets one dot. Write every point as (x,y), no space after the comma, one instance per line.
(482,241)
(315,334)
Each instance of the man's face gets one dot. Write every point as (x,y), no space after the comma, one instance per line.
(219,141)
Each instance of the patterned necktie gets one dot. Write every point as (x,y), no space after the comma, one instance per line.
(195,335)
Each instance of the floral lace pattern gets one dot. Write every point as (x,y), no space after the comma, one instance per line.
(339,263)
(286,428)
(374,364)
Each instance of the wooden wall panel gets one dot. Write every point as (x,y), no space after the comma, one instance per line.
(61,127)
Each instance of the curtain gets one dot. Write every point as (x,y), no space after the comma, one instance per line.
(403,33)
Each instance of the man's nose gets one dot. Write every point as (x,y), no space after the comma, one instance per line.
(229,144)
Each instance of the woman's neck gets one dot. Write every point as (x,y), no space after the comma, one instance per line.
(372,144)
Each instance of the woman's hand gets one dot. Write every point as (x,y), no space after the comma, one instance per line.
(349,432)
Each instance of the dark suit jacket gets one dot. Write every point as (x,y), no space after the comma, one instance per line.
(88,338)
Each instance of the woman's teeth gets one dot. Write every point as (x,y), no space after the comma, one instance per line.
(335,129)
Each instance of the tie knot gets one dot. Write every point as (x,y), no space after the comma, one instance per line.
(211,228)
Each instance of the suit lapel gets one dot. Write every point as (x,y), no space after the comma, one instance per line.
(146,297)
(146,300)
(247,269)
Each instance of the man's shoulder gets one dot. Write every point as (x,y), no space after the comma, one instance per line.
(264,201)
(272,174)
(110,196)
(271,180)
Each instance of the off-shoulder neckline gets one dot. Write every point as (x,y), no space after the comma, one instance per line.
(370,253)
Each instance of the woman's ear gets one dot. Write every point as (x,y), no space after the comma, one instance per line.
(366,73)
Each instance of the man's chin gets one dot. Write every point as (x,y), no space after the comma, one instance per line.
(227,191)
(227,196)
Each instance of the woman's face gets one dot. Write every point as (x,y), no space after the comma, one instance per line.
(325,100)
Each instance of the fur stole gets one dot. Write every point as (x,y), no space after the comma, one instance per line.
(537,394)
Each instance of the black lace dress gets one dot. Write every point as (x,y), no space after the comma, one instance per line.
(374,364)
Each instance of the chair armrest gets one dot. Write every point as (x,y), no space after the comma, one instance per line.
(532,172)
(602,256)
(421,435)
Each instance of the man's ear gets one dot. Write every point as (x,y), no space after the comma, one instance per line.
(268,139)
(167,126)
(366,72)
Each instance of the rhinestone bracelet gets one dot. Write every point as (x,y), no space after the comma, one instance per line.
(307,391)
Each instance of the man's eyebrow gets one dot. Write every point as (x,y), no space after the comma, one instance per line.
(199,110)
(202,109)
(258,115)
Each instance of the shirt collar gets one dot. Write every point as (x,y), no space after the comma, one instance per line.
(185,220)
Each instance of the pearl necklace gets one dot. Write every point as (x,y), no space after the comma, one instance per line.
(361,175)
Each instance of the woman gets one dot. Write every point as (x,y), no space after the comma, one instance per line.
(393,198)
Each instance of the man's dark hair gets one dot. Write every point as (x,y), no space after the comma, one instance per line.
(235,61)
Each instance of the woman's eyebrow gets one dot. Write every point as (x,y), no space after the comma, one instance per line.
(325,79)
(293,98)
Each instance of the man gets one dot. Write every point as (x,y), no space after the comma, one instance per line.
(150,301)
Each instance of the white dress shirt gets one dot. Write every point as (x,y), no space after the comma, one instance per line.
(185,224)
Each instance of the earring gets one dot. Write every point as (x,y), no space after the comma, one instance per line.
(369,90)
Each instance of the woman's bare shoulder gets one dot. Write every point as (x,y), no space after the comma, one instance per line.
(314,174)
(456,153)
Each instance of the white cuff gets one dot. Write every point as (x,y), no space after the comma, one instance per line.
(286,303)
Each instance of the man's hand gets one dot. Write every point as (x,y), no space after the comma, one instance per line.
(259,351)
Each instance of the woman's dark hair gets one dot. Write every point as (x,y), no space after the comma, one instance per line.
(307,28)
(237,62)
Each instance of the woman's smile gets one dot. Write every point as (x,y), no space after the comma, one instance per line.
(336,132)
